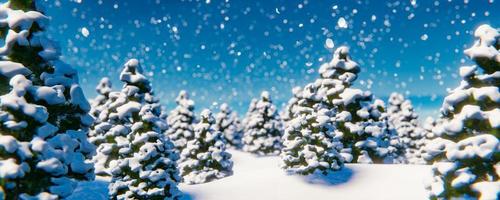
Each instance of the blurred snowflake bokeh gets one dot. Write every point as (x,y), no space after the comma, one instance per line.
(231,50)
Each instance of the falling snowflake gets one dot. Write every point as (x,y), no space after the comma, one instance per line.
(424,37)
(85,32)
(342,23)
(329,43)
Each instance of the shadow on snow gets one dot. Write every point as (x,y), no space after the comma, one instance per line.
(92,190)
(333,178)
(187,196)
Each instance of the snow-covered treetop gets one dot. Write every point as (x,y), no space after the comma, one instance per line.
(183,100)
(485,50)
(265,103)
(296,91)
(132,75)
(341,66)
(206,116)
(477,97)
(265,96)
(104,86)
(205,123)
(400,109)
(224,108)
(396,99)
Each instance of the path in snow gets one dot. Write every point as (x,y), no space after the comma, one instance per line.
(261,178)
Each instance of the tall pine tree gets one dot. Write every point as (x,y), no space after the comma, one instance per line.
(310,143)
(263,128)
(467,151)
(181,121)
(227,122)
(143,164)
(103,133)
(359,121)
(44,116)
(404,121)
(289,110)
(98,104)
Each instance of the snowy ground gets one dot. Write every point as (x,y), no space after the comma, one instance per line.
(261,178)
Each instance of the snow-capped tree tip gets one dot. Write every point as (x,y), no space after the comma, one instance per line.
(265,96)
(224,107)
(104,86)
(296,90)
(206,115)
(342,60)
(132,74)
(342,52)
(485,51)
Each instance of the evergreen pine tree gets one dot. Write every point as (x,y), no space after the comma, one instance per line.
(250,110)
(404,121)
(358,120)
(288,111)
(98,106)
(430,127)
(141,160)
(181,121)
(263,128)
(467,151)
(44,116)
(103,132)
(205,158)
(310,145)
(227,122)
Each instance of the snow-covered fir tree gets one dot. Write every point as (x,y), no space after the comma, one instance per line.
(250,110)
(466,152)
(141,160)
(227,122)
(97,104)
(404,121)
(263,128)
(288,111)
(44,116)
(310,145)
(359,121)
(102,130)
(181,121)
(430,127)
(205,158)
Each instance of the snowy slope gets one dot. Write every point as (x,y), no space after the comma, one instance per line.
(261,178)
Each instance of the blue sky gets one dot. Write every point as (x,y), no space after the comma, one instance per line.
(229,51)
